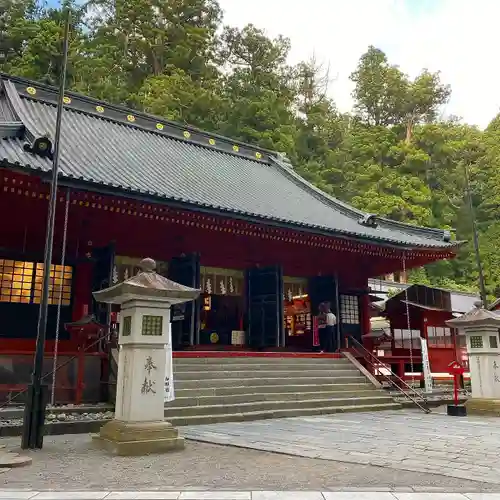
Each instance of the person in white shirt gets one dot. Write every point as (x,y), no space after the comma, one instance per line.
(326,327)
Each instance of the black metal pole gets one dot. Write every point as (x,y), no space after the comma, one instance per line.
(34,411)
(482,286)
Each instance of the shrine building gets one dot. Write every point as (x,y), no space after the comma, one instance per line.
(265,246)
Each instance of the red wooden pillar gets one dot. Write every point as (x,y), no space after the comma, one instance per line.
(82,290)
(365,314)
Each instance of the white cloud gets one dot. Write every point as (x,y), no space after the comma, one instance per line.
(456,37)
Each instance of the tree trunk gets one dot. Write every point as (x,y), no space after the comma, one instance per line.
(409,129)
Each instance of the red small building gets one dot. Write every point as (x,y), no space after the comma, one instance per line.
(265,246)
(417,312)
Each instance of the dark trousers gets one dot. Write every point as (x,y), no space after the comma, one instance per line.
(326,340)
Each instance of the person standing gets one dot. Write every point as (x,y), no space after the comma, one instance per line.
(326,327)
(322,326)
(329,334)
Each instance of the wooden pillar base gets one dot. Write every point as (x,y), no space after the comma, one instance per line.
(137,439)
(483,406)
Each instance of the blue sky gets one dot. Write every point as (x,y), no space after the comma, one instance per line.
(456,37)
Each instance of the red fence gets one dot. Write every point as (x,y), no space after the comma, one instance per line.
(78,376)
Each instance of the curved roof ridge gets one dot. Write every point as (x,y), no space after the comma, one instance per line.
(349,209)
(17,107)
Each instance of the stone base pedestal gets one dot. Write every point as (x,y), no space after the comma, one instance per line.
(136,439)
(456,411)
(483,406)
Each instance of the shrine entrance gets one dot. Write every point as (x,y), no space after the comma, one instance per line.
(222,307)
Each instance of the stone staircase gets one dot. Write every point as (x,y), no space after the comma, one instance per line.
(211,390)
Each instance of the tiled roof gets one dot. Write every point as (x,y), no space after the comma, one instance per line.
(142,154)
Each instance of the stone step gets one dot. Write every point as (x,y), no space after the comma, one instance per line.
(279,413)
(263,389)
(259,360)
(181,368)
(281,374)
(267,396)
(257,406)
(258,381)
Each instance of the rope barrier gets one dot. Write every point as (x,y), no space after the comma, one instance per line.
(59,303)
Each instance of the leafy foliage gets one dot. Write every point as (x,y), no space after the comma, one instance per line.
(393,155)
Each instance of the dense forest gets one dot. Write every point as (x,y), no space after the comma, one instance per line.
(394,154)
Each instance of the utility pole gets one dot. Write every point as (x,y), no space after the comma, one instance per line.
(34,410)
(482,286)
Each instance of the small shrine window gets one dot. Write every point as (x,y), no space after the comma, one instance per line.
(406,339)
(349,309)
(438,336)
(22,282)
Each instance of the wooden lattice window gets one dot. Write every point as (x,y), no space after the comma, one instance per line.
(349,309)
(22,282)
(59,281)
(16,281)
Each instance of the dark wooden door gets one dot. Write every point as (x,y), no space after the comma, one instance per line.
(185,318)
(265,306)
(323,289)
(102,277)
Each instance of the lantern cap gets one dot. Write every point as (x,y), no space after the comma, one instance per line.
(147,285)
(478,316)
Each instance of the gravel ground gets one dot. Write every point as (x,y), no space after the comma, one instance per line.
(70,462)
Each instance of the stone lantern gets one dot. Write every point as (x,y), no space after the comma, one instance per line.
(481,329)
(144,364)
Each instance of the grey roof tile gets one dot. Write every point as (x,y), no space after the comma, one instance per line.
(120,154)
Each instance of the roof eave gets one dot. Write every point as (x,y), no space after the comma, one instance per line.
(354,212)
(101,188)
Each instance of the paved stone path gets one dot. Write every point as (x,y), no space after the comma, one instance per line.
(72,462)
(466,448)
(241,495)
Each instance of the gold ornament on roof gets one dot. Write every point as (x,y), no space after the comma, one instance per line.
(99,109)
(31,90)
(131,118)
(211,142)
(159,126)
(258,155)
(236,148)
(66,100)
(187,134)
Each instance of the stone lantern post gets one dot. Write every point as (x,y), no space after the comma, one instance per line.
(145,359)
(481,329)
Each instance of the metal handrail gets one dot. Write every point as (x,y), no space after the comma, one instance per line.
(393,376)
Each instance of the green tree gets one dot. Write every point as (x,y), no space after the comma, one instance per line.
(32,40)
(132,40)
(380,89)
(258,87)
(384,95)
